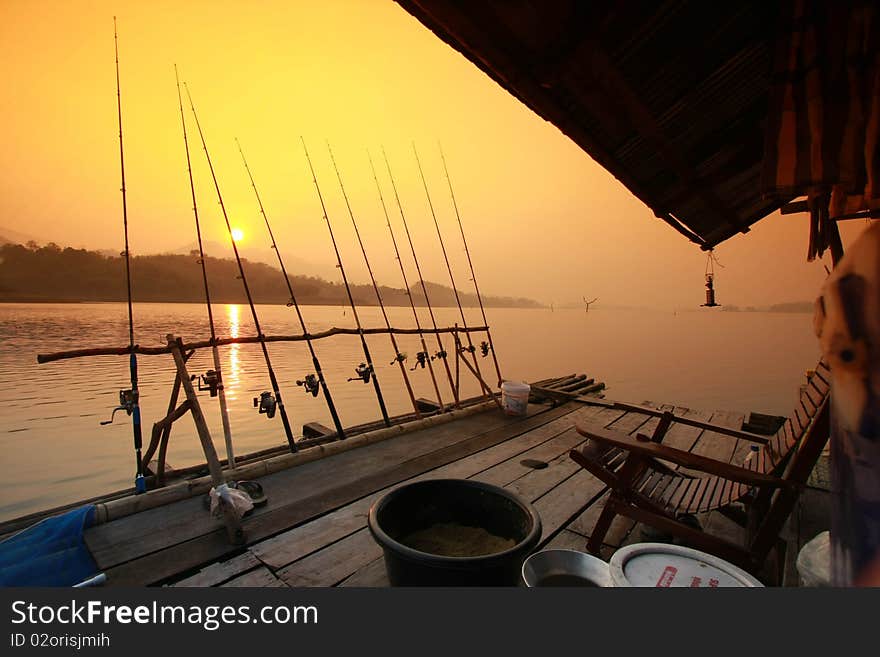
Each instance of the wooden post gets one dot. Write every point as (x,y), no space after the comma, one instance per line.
(162,431)
(233,523)
(849,335)
(163,444)
(486,389)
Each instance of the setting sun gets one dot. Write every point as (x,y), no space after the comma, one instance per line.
(237,234)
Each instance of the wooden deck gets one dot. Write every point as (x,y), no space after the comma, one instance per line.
(313,531)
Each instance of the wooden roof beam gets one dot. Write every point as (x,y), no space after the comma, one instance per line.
(579,42)
(604,72)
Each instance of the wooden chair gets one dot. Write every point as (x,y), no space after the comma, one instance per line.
(649,484)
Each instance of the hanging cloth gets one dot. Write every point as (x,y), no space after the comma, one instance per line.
(824,113)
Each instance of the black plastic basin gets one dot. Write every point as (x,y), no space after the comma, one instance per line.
(472,505)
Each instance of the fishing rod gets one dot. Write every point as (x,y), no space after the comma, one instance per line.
(399,357)
(267,402)
(364,371)
(470,348)
(423,357)
(212,380)
(129,400)
(309,382)
(485,347)
(441,353)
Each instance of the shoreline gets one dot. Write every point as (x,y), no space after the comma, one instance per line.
(258,303)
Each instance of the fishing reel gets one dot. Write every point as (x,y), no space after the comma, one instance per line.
(266,403)
(309,384)
(484,348)
(440,354)
(209,381)
(128,399)
(399,358)
(422,359)
(364,372)
(470,349)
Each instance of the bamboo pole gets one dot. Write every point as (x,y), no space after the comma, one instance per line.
(162,429)
(202,344)
(552,381)
(233,522)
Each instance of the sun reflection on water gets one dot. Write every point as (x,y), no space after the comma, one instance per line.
(233,368)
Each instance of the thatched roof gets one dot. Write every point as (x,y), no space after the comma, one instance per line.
(670,97)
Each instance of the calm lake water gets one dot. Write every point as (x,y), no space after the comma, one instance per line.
(53,451)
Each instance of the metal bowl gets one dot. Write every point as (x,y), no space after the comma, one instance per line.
(565,568)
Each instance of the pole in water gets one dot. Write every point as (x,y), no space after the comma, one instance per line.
(212,380)
(423,357)
(308,380)
(484,347)
(364,371)
(441,353)
(129,400)
(470,348)
(399,358)
(267,403)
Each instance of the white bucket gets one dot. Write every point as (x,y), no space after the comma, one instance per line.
(814,561)
(515,397)
(663,565)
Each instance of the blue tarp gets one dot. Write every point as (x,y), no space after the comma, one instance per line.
(49,553)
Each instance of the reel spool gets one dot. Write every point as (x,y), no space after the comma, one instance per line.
(364,372)
(209,381)
(128,399)
(267,404)
(422,358)
(309,384)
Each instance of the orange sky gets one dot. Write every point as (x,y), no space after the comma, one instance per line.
(542,219)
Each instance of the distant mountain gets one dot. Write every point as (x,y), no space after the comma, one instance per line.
(442,295)
(792,307)
(788,307)
(52,273)
(292,263)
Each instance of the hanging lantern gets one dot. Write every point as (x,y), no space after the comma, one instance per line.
(710,292)
(710,281)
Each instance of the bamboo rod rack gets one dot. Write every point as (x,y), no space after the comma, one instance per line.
(124,506)
(202,344)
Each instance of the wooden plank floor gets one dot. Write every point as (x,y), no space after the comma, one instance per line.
(314,530)
(159,544)
(336,549)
